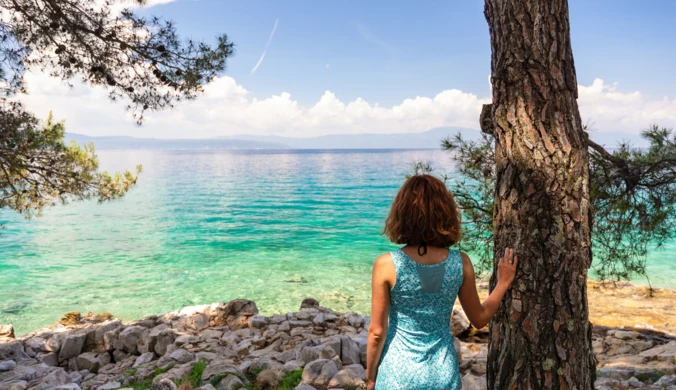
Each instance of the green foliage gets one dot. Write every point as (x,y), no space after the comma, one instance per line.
(195,377)
(141,60)
(130,372)
(162,370)
(141,384)
(291,380)
(650,376)
(147,383)
(632,195)
(473,190)
(38,169)
(216,379)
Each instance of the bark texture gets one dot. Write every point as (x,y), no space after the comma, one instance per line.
(541,336)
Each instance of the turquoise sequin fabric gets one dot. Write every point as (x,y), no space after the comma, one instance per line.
(419,352)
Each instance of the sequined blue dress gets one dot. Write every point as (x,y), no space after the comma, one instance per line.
(419,352)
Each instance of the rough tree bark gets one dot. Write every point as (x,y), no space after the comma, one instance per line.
(541,336)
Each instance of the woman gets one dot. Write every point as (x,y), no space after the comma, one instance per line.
(410,345)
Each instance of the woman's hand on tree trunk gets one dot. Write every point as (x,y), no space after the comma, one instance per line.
(507,268)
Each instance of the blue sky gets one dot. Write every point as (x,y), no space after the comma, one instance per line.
(386,51)
(395,66)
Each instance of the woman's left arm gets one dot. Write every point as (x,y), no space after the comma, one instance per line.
(383,272)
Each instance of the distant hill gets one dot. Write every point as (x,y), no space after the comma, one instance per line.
(115,142)
(430,139)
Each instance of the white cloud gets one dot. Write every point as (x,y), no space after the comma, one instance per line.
(609,110)
(260,60)
(227,108)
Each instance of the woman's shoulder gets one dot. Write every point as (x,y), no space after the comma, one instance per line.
(467,265)
(383,260)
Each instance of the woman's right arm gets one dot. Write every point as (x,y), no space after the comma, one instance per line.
(479,314)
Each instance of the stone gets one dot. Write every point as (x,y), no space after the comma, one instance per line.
(319,320)
(164,339)
(278,319)
(269,350)
(198,321)
(206,356)
(16,385)
(309,303)
(7,330)
(208,386)
(92,361)
(234,314)
(349,351)
(665,352)
(111,340)
(459,322)
(353,376)
(326,350)
(626,334)
(258,321)
(52,345)
(212,334)
(144,358)
(67,386)
(474,382)
(12,350)
(34,343)
(291,366)
(616,372)
(270,377)
(26,373)
(7,365)
(57,377)
(319,372)
(182,356)
(119,356)
(176,373)
(113,386)
(667,380)
(162,384)
(129,338)
(71,345)
(149,338)
(220,368)
(230,382)
(356,320)
(304,386)
(95,337)
(50,359)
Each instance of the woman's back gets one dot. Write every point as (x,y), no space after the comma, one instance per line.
(419,351)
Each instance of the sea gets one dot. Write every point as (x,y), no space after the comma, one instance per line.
(203,226)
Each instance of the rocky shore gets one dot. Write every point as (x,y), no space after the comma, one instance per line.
(230,345)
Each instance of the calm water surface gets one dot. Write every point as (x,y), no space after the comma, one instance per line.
(208,226)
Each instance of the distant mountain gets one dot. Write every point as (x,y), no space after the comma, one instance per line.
(115,142)
(430,139)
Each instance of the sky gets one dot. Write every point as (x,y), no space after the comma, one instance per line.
(308,68)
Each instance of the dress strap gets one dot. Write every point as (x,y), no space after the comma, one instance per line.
(397,260)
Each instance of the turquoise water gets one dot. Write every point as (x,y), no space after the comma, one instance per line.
(208,226)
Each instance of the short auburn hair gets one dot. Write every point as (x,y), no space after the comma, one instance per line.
(423,213)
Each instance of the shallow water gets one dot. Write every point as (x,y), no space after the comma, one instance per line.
(208,226)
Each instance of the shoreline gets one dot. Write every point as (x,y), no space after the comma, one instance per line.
(611,304)
(230,345)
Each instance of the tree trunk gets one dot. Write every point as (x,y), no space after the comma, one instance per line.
(541,336)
